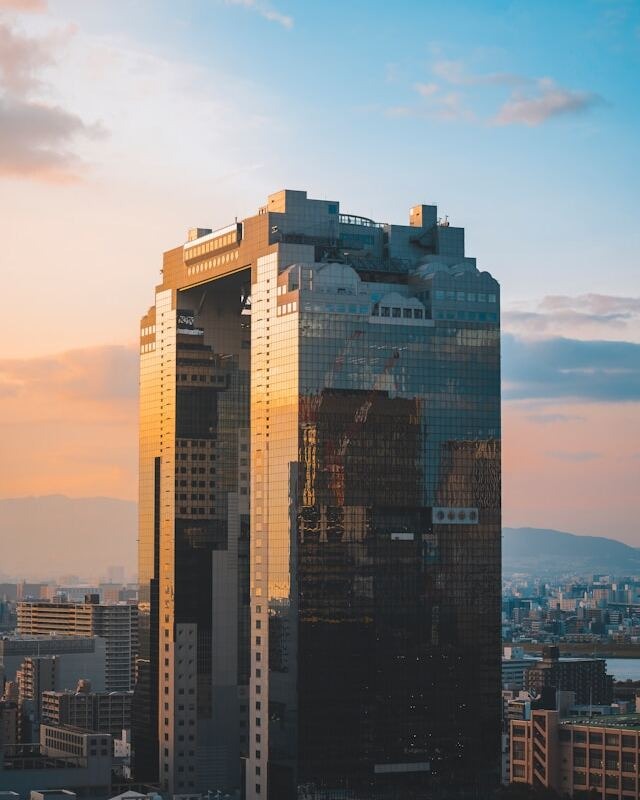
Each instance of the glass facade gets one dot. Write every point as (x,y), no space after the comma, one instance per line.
(376,525)
(331,624)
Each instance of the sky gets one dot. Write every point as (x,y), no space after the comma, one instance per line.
(125,122)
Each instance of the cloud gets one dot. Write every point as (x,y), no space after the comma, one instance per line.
(20,60)
(455,72)
(554,417)
(442,106)
(591,314)
(530,101)
(535,322)
(36,137)
(265,10)
(594,303)
(91,375)
(37,6)
(426,89)
(35,141)
(546,101)
(578,456)
(568,368)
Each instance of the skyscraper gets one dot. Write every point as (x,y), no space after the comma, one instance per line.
(358,364)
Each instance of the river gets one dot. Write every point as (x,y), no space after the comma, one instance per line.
(624,669)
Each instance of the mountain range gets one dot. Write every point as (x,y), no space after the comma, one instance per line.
(48,536)
(539,551)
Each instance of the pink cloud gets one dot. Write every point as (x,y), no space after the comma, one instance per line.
(37,6)
(36,137)
(545,102)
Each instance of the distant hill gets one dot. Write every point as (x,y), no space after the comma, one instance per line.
(44,537)
(542,551)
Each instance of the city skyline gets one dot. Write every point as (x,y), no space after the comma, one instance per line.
(517,121)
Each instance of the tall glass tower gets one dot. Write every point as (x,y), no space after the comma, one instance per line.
(352,369)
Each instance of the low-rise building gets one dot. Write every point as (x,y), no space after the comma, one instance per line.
(79,657)
(586,677)
(578,756)
(65,758)
(116,623)
(107,712)
(514,666)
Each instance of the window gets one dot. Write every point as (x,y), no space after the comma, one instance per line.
(595,759)
(611,760)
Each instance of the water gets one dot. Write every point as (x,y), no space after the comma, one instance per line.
(624,669)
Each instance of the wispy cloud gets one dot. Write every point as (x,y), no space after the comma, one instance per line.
(554,418)
(36,136)
(454,92)
(21,59)
(447,106)
(594,303)
(587,314)
(91,375)
(456,73)
(544,101)
(569,368)
(265,10)
(35,141)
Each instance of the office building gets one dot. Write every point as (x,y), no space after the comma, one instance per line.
(104,712)
(586,677)
(64,758)
(8,722)
(116,623)
(78,657)
(514,665)
(358,364)
(582,757)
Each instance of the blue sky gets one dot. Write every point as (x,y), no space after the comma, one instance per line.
(124,123)
(552,205)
